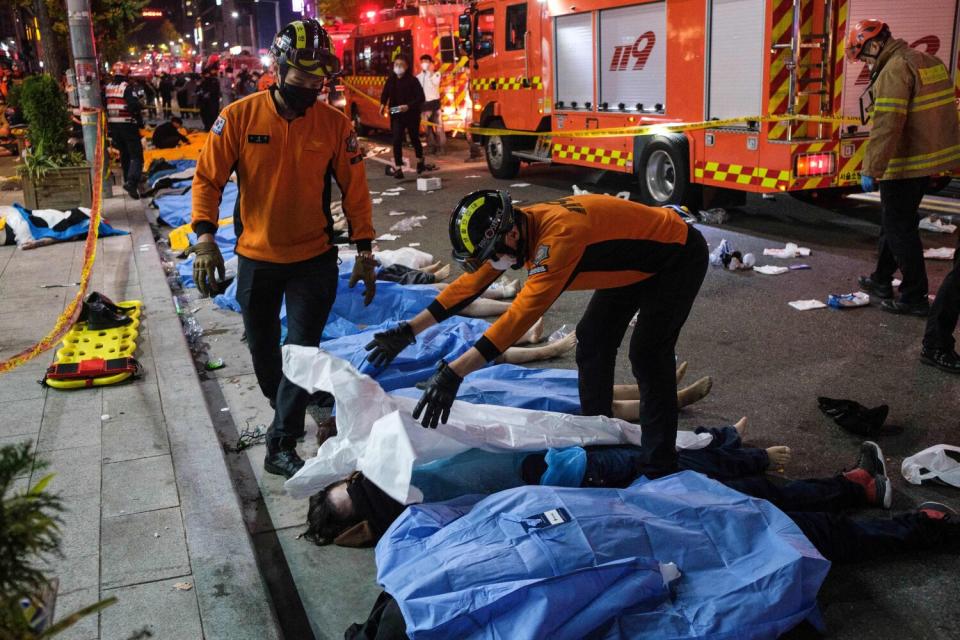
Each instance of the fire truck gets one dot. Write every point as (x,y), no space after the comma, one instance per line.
(547,67)
(410,30)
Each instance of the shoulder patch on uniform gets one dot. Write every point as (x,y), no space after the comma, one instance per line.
(352,143)
(543,252)
(541,269)
(932,75)
(217,127)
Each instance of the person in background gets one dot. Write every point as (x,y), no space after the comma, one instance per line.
(939,345)
(183,96)
(429,79)
(165,89)
(124,120)
(208,97)
(402,99)
(169,134)
(915,135)
(226,87)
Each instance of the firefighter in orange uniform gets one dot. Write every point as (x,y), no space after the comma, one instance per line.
(286,149)
(915,135)
(637,259)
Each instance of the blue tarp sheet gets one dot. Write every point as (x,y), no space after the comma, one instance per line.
(545,562)
(178,166)
(174,210)
(226,238)
(78,230)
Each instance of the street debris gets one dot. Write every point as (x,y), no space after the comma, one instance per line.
(848,300)
(429,184)
(377,201)
(519,185)
(388,236)
(791,250)
(408,224)
(807,305)
(397,213)
(183,586)
(248,438)
(577,191)
(105,417)
(714,216)
(213,365)
(771,270)
(940,253)
(414,244)
(727,257)
(800,266)
(936,225)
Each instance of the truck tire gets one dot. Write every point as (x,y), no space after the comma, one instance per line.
(663,173)
(358,126)
(499,152)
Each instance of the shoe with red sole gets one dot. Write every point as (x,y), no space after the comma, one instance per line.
(871,474)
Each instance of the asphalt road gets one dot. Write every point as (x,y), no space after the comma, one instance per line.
(770,362)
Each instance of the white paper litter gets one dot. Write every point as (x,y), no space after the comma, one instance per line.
(394,189)
(377,200)
(397,213)
(771,270)
(390,193)
(791,250)
(896,282)
(388,236)
(937,225)
(577,191)
(520,185)
(376,433)
(471,177)
(807,305)
(941,253)
(414,244)
(623,195)
(408,224)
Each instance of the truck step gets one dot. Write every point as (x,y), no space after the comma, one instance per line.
(532,157)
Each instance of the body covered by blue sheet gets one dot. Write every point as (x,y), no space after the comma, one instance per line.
(544,562)
(174,210)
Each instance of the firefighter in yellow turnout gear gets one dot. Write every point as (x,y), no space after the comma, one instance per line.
(915,135)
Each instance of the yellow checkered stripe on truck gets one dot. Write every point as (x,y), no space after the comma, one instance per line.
(591,154)
(506,84)
(739,174)
(367,80)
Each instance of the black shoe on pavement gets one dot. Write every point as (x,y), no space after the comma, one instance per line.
(875,289)
(282,463)
(918,309)
(871,474)
(132,191)
(943,359)
(421,166)
(398,174)
(937,511)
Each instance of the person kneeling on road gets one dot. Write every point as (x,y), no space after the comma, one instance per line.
(638,259)
(286,149)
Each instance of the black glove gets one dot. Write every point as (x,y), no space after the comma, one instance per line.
(387,345)
(438,398)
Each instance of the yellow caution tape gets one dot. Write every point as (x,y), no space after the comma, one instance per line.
(69,315)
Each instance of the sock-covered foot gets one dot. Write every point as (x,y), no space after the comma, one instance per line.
(681,371)
(779,456)
(741,427)
(871,474)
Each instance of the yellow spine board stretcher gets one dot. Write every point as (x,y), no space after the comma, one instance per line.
(82,344)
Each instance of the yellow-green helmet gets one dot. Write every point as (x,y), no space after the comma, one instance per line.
(305,45)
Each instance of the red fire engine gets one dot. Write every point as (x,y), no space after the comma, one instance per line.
(410,30)
(552,66)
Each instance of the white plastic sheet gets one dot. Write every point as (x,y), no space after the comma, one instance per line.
(376,433)
(939,462)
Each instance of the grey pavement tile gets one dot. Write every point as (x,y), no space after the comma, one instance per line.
(75,572)
(132,400)
(20,416)
(76,471)
(158,607)
(143,547)
(133,486)
(87,628)
(331,602)
(70,419)
(80,527)
(20,384)
(134,437)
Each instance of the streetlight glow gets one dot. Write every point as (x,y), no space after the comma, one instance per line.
(234,14)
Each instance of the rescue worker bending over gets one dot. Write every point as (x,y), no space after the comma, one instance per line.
(636,258)
(124,119)
(286,149)
(915,135)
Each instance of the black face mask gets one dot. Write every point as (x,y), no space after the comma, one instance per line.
(299,99)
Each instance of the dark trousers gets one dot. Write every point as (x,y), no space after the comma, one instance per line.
(900,245)
(662,303)
(208,114)
(945,311)
(126,139)
(725,458)
(310,288)
(405,124)
(166,101)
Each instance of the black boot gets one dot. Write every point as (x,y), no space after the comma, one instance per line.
(920,309)
(881,290)
(99,314)
(282,463)
(398,174)
(421,166)
(943,359)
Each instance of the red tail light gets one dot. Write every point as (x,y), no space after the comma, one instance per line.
(810,165)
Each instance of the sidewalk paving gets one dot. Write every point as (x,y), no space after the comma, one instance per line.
(139,466)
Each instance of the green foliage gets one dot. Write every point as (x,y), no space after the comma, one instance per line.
(29,533)
(45,110)
(13,95)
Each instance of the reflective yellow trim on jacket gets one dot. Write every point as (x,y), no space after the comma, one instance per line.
(891,101)
(924,161)
(885,109)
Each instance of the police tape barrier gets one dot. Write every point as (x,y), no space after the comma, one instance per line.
(173,111)
(69,315)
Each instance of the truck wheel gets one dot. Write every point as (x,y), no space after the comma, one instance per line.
(664,175)
(499,151)
(358,126)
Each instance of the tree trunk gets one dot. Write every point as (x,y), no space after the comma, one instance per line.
(48,41)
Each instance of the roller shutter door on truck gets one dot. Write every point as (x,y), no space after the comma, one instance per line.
(633,56)
(736,56)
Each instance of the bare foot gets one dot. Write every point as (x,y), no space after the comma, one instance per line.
(442,273)
(741,426)
(510,289)
(432,268)
(564,344)
(779,456)
(534,335)
(681,371)
(695,392)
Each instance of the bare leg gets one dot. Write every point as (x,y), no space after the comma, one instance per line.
(632,391)
(507,291)
(432,268)
(533,335)
(442,273)
(695,392)
(741,427)
(629,409)
(484,308)
(681,371)
(523,355)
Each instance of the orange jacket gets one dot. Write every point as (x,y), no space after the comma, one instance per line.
(577,242)
(284,172)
